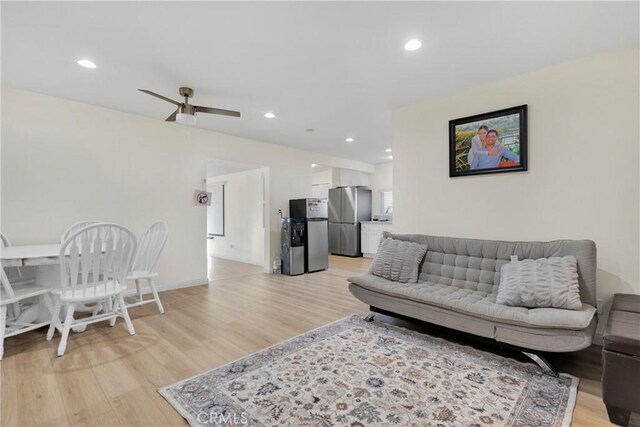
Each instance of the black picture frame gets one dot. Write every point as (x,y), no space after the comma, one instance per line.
(461,144)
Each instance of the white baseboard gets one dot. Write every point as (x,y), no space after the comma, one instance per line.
(184,284)
(230,258)
(168,287)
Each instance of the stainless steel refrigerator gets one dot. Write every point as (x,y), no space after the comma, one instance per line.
(314,214)
(348,206)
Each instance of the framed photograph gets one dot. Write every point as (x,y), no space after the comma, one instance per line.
(493,142)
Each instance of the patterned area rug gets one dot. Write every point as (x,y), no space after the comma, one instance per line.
(355,373)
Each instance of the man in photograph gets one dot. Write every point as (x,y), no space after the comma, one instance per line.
(492,152)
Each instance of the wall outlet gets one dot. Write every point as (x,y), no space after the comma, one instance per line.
(232,246)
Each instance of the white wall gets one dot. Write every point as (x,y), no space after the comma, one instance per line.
(321,177)
(583,176)
(64,161)
(381,180)
(243,238)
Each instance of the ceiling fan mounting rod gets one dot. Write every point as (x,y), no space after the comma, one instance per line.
(185,108)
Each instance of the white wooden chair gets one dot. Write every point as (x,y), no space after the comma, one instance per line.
(11,307)
(94,263)
(68,232)
(76,227)
(12,274)
(149,250)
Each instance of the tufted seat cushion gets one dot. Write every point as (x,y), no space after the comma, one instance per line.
(477,301)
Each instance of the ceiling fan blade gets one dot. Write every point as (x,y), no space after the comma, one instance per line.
(172,117)
(164,98)
(220,111)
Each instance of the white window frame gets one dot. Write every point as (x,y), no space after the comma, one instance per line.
(383,201)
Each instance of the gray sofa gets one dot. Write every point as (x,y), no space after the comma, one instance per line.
(458,284)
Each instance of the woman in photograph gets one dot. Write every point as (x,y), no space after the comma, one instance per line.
(478,142)
(488,156)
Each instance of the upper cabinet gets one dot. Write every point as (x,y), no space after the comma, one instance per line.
(349,178)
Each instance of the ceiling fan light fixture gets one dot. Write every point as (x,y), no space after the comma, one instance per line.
(186,119)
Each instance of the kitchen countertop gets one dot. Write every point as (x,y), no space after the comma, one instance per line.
(377,222)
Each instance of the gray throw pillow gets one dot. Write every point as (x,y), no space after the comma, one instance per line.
(543,282)
(398,260)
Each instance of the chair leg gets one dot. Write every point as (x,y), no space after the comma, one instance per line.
(55,319)
(65,329)
(110,309)
(98,308)
(139,289)
(152,285)
(3,322)
(125,314)
(16,309)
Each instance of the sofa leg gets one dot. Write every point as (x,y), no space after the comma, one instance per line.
(369,317)
(618,416)
(542,362)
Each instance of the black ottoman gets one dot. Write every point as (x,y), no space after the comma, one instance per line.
(621,359)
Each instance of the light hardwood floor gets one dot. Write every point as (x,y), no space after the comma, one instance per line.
(107,377)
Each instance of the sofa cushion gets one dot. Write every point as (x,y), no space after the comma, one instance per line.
(478,303)
(542,282)
(398,261)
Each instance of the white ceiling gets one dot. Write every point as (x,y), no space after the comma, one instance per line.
(337,67)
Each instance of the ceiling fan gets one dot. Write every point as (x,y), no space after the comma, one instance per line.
(186,113)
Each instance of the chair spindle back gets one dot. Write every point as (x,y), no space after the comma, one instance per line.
(96,258)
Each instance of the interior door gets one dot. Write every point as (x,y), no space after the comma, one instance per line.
(348,208)
(350,239)
(334,238)
(335,203)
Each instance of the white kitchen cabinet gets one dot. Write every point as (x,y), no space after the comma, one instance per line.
(370,235)
(350,178)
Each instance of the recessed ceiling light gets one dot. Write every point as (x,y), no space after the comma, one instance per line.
(413,45)
(313,165)
(269,115)
(390,157)
(349,139)
(388,150)
(86,63)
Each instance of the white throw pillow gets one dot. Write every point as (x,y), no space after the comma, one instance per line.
(398,260)
(542,282)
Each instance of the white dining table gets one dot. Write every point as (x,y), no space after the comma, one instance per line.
(47,274)
(30,255)
(46,258)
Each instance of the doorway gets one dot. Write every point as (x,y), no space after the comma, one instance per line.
(236,223)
